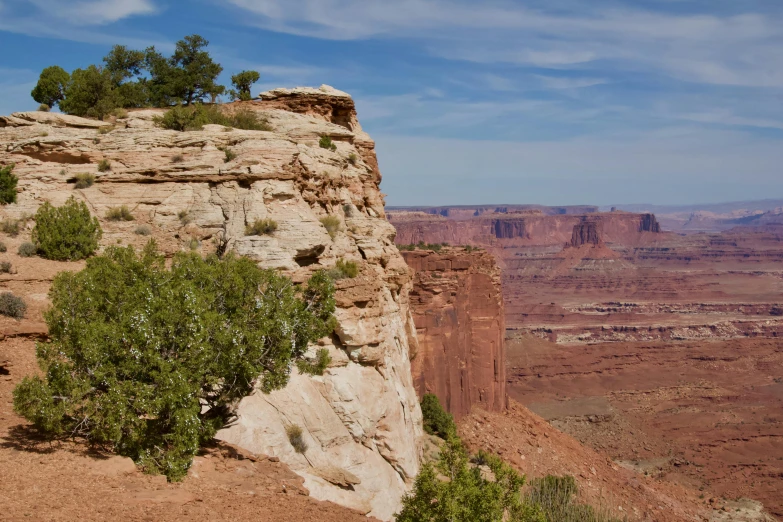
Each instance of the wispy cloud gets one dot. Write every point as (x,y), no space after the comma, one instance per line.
(95,12)
(553,82)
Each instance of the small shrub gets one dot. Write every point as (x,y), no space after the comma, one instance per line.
(245,119)
(179,158)
(96,140)
(66,233)
(343,270)
(326,143)
(3,248)
(317,367)
(12,306)
(194,244)
(119,214)
(84,180)
(44,108)
(776,311)
(104,165)
(557,498)
(11,227)
(348,210)
(296,438)
(353,158)
(5,267)
(230,155)
(106,129)
(143,230)
(194,118)
(27,249)
(261,227)
(437,421)
(185,217)
(120,113)
(8,183)
(332,225)
(43,134)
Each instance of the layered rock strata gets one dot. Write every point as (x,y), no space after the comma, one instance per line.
(361,419)
(458,309)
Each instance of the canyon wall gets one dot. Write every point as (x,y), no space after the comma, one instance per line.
(458,309)
(521,228)
(361,419)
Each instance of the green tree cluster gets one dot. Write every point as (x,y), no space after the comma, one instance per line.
(8,181)
(148,360)
(66,233)
(130,78)
(437,421)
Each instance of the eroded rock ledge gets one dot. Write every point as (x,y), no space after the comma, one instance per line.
(361,419)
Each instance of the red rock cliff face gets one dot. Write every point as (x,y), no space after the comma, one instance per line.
(457,306)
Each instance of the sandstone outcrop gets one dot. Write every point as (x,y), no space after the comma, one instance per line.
(361,419)
(458,309)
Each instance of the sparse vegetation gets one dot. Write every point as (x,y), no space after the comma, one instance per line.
(194,118)
(44,108)
(120,113)
(348,210)
(343,270)
(776,311)
(104,165)
(230,155)
(421,245)
(121,213)
(11,227)
(326,143)
(115,374)
(296,438)
(261,227)
(556,497)
(242,83)
(316,367)
(66,233)
(179,158)
(12,306)
(332,225)
(5,267)
(353,158)
(437,421)
(84,180)
(194,244)
(8,183)
(3,248)
(27,249)
(185,217)
(106,129)
(143,230)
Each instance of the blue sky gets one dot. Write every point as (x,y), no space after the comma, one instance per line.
(507,101)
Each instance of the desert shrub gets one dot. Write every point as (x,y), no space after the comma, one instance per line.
(230,155)
(557,498)
(84,180)
(44,108)
(120,113)
(326,143)
(11,227)
(143,230)
(437,421)
(353,158)
(421,245)
(316,367)
(3,248)
(776,311)
(104,165)
(5,267)
(332,225)
(119,214)
(296,438)
(261,227)
(12,306)
(148,360)
(343,270)
(468,495)
(66,233)
(193,118)
(185,217)
(27,249)
(8,183)
(348,210)
(179,158)
(106,129)
(194,244)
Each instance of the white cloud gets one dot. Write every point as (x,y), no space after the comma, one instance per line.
(739,49)
(95,12)
(552,82)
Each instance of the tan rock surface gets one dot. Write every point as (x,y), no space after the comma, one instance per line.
(361,419)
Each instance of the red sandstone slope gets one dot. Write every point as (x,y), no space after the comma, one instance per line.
(535,448)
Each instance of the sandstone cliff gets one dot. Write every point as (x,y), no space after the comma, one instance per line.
(458,310)
(361,419)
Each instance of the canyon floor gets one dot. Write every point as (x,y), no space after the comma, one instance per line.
(661,350)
